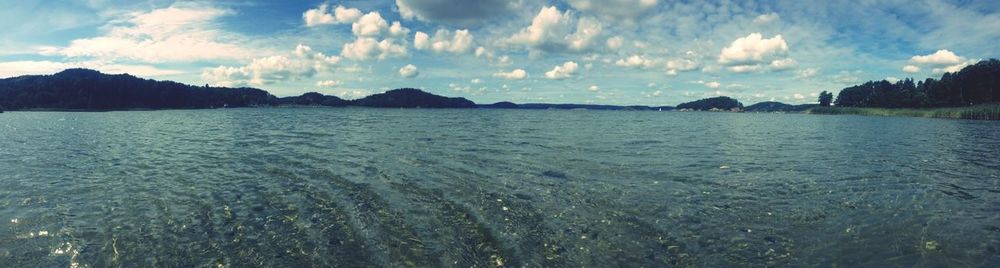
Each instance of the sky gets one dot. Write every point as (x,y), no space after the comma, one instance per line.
(646,52)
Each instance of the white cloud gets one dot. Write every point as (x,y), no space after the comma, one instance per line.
(782,64)
(301,63)
(408,71)
(942,61)
(360,49)
(746,68)
(681,65)
(712,84)
(445,41)
(397,30)
(179,33)
(806,73)
(942,57)
(347,15)
(551,31)
(753,53)
(593,88)
(321,15)
(516,74)
(566,70)
(798,96)
(370,25)
(328,83)
(476,81)
(766,18)
(368,29)
(892,79)
(615,43)
(637,61)
(460,12)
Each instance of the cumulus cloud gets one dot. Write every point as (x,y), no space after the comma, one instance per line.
(942,61)
(711,84)
(806,73)
(368,29)
(301,63)
(637,61)
(445,41)
(328,83)
(594,88)
(942,57)
(566,70)
(370,25)
(753,53)
(321,15)
(753,49)
(516,74)
(681,65)
(553,31)
(368,48)
(615,43)
(455,12)
(409,71)
(179,33)
(614,9)
(766,18)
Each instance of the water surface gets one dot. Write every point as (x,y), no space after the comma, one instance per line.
(421,187)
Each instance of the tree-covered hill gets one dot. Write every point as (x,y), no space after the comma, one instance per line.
(974,84)
(91,90)
(716,103)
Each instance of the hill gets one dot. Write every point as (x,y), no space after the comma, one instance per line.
(314,99)
(773,106)
(412,98)
(82,89)
(721,103)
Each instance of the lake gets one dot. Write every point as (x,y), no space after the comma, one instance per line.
(301,187)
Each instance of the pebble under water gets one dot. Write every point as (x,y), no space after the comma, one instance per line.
(359,187)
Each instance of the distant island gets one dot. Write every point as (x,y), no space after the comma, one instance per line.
(972,93)
(714,104)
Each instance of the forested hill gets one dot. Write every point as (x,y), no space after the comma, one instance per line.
(974,84)
(721,103)
(83,89)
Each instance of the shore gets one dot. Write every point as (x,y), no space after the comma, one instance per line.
(978,112)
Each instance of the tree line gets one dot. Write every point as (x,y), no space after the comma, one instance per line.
(974,84)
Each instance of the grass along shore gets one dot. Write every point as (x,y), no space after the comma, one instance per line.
(979,112)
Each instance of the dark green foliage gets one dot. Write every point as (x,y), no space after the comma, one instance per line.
(979,112)
(975,84)
(773,106)
(721,103)
(90,90)
(314,99)
(412,98)
(825,98)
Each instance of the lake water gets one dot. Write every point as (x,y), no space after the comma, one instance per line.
(302,187)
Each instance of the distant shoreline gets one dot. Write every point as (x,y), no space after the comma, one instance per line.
(989,111)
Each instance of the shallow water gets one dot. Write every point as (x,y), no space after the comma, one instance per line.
(420,187)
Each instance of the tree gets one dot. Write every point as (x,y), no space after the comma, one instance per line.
(825,98)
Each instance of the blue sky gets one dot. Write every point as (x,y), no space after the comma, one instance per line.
(651,52)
